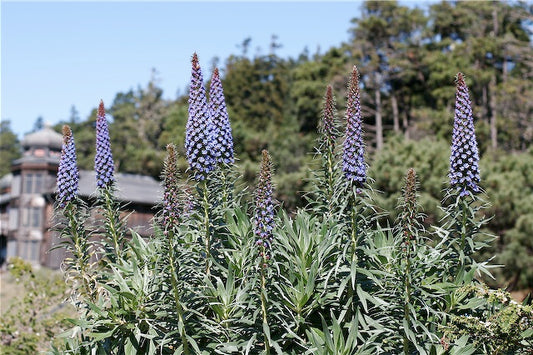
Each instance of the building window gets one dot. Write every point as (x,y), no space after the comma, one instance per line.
(33,183)
(31,217)
(29,250)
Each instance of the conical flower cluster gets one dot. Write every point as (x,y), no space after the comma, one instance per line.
(68,174)
(328,128)
(409,206)
(464,158)
(223,139)
(171,199)
(103,160)
(353,163)
(264,204)
(199,138)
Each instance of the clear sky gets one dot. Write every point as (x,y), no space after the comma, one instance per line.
(58,54)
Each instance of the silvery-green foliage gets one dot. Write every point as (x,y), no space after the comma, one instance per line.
(325,279)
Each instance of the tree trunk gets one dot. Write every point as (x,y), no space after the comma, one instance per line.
(379,121)
(395,114)
(405,124)
(492,104)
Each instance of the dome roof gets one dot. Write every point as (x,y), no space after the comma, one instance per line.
(45,137)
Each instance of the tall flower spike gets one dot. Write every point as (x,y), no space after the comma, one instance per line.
(68,175)
(353,163)
(264,204)
(199,130)
(409,208)
(464,159)
(328,128)
(171,198)
(219,114)
(103,160)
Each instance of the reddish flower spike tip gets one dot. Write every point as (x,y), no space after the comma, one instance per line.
(101,109)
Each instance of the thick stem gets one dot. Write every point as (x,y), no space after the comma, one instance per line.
(174,283)
(264,300)
(113,220)
(80,248)
(407,295)
(331,183)
(207,236)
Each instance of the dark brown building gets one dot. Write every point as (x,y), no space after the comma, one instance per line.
(27,200)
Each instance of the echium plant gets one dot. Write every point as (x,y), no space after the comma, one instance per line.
(200,150)
(73,211)
(199,138)
(353,160)
(171,216)
(263,227)
(410,227)
(114,227)
(326,177)
(462,200)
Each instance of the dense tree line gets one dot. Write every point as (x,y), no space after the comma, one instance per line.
(407,58)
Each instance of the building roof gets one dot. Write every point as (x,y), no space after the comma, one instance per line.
(5,181)
(45,137)
(135,188)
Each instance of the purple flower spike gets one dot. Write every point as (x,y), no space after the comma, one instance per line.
(353,163)
(264,204)
(68,175)
(103,160)
(464,158)
(219,114)
(199,140)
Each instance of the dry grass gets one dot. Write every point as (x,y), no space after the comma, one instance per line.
(10,291)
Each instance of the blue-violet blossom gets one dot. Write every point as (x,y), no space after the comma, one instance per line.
(103,160)
(464,158)
(67,175)
(353,162)
(199,140)
(223,139)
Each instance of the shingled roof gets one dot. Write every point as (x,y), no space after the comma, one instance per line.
(135,188)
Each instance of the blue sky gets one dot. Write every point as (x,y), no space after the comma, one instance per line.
(58,54)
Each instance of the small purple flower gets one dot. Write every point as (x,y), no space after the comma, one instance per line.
(199,140)
(171,199)
(67,175)
(328,129)
(464,158)
(219,114)
(264,204)
(353,163)
(103,160)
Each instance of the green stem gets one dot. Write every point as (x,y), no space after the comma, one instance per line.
(407,296)
(354,228)
(80,251)
(264,301)
(174,282)
(330,179)
(206,227)
(113,220)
